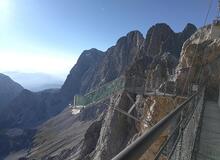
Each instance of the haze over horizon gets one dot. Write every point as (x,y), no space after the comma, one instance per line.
(48,36)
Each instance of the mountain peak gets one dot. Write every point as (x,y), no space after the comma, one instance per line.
(134,33)
(162,27)
(6,80)
(9,89)
(190,28)
(131,37)
(92,50)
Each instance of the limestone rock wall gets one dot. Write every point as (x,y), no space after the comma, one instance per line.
(199,62)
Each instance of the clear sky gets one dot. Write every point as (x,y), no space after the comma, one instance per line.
(49,35)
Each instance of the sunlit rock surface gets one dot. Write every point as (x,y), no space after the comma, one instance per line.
(199,62)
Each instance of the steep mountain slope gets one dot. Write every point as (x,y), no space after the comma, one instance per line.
(161,49)
(199,62)
(106,133)
(93,71)
(200,65)
(118,131)
(62,135)
(118,59)
(85,67)
(30,109)
(8,90)
(161,38)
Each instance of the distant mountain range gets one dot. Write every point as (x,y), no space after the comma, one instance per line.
(36,81)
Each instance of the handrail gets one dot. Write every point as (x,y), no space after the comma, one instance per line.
(142,144)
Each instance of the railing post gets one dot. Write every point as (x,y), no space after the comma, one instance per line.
(74,101)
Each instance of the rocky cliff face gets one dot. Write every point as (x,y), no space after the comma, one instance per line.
(161,38)
(118,58)
(159,54)
(95,68)
(100,132)
(81,72)
(8,90)
(152,64)
(199,61)
(30,109)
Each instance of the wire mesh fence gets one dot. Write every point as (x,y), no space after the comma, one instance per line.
(181,142)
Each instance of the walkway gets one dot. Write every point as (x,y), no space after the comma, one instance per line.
(209,145)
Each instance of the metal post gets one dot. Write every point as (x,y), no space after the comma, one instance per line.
(74,101)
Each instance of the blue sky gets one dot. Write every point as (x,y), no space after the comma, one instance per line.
(49,35)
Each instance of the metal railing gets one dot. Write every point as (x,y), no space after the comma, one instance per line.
(182,115)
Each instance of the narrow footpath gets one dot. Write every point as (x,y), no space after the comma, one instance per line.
(209,145)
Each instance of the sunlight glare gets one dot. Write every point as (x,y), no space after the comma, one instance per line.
(4,12)
(4,6)
(32,62)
